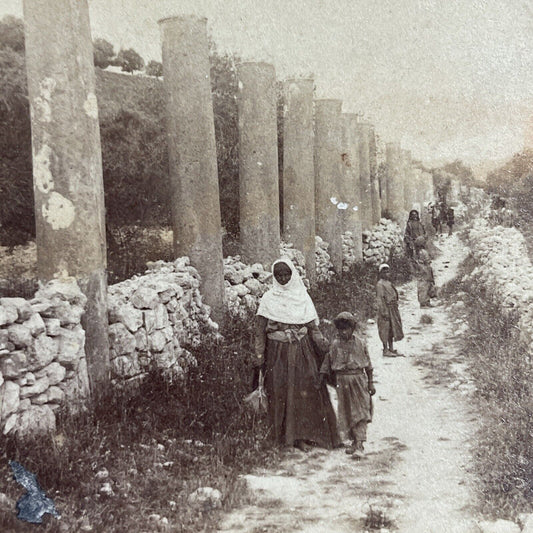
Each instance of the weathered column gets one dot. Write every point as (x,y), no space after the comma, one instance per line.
(363,133)
(395,191)
(67,163)
(328,175)
(383,173)
(299,171)
(192,153)
(258,164)
(374,179)
(351,183)
(409,184)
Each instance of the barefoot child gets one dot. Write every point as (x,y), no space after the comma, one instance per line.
(349,362)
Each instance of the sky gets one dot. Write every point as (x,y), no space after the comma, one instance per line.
(449,79)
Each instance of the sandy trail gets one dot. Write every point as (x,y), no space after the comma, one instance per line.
(414,477)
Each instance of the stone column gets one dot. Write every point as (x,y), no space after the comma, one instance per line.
(299,171)
(363,133)
(328,176)
(192,153)
(351,183)
(67,163)
(395,189)
(258,164)
(409,184)
(374,180)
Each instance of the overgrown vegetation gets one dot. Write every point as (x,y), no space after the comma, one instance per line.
(501,368)
(164,440)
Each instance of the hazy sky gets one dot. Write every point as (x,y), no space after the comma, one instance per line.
(449,78)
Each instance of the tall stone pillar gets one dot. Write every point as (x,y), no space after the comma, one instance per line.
(67,163)
(363,133)
(299,171)
(192,153)
(409,191)
(258,164)
(383,173)
(395,189)
(351,183)
(374,179)
(328,176)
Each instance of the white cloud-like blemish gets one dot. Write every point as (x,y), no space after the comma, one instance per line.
(241,85)
(91,106)
(342,205)
(355,208)
(41,104)
(44,181)
(59,211)
(334,200)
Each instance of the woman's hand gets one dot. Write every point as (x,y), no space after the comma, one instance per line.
(371,389)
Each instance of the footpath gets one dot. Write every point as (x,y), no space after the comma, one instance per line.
(415,476)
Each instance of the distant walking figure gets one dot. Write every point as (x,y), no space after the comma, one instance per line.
(414,232)
(389,320)
(450,219)
(425,279)
(436,218)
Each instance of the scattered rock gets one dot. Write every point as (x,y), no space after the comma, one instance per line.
(205,498)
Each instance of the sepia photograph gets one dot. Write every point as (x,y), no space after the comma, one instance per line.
(266,267)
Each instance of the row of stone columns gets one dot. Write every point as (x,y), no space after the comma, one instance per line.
(330,183)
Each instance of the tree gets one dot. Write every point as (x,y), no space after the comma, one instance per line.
(130,60)
(154,68)
(12,33)
(459,169)
(103,53)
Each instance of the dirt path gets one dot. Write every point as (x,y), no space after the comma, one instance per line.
(414,476)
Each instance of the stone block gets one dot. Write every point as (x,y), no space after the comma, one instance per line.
(43,352)
(37,420)
(14,366)
(126,314)
(120,339)
(9,399)
(55,395)
(4,339)
(255,287)
(23,307)
(62,290)
(157,341)
(20,335)
(40,386)
(8,315)
(145,298)
(161,317)
(71,347)
(54,372)
(125,366)
(53,326)
(141,340)
(35,324)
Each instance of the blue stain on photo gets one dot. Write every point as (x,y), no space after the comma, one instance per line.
(33,505)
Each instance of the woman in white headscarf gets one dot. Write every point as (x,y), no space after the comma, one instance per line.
(289,348)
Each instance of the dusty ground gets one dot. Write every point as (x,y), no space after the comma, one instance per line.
(414,477)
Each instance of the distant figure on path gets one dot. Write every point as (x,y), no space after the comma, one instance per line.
(414,230)
(450,219)
(436,218)
(389,320)
(425,279)
(348,361)
(289,348)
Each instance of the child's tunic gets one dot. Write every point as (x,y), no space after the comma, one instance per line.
(348,361)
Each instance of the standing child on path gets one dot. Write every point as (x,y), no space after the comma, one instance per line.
(389,320)
(349,362)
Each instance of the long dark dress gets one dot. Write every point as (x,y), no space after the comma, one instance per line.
(299,408)
(389,320)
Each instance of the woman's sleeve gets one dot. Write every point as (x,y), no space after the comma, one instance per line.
(326,365)
(320,342)
(260,340)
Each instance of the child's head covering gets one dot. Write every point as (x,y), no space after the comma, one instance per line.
(383,265)
(289,303)
(346,318)
(413,215)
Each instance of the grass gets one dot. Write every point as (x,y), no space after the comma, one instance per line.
(165,439)
(501,368)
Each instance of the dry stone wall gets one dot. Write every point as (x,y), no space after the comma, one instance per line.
(505,270)
(42,357)
(153,318)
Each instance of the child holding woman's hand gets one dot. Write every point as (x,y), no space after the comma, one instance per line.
(348,361)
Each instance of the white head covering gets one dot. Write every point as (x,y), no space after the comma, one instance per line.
(382,266)
(289,303)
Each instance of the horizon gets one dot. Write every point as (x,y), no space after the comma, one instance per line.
(448,81)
